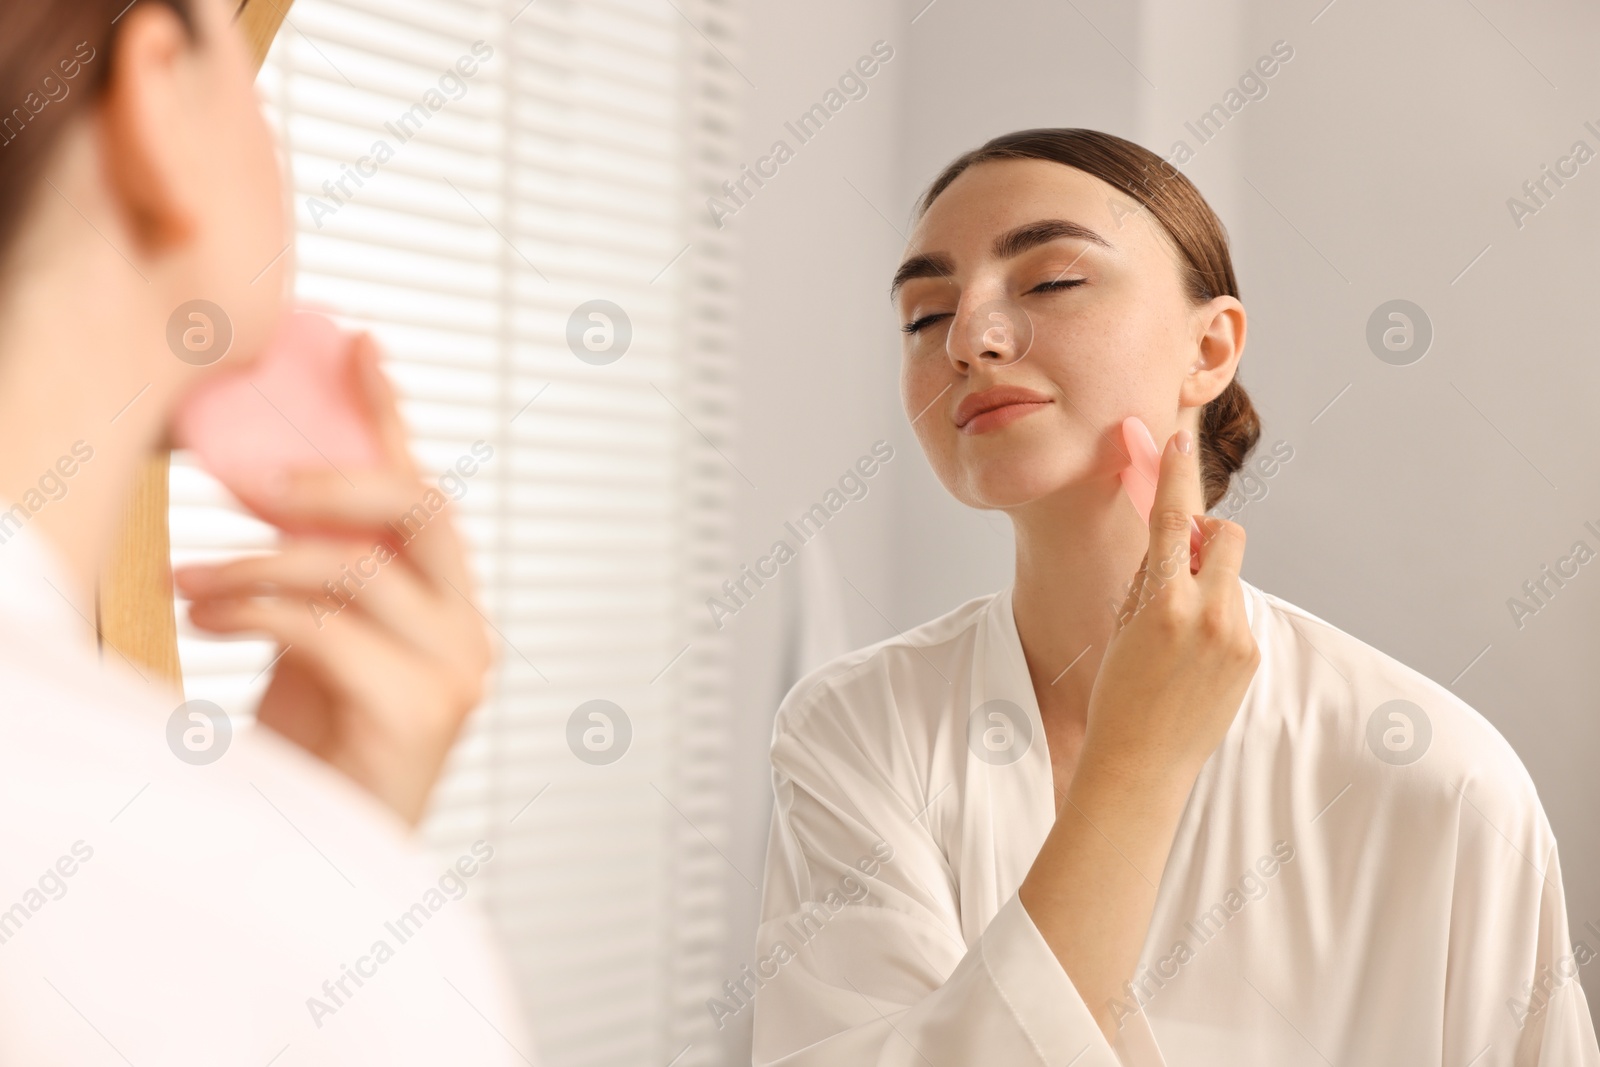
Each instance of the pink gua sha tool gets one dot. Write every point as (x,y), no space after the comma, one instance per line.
(1140,476)
(295,407)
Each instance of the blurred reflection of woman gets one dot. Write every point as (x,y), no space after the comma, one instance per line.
(1208,828)
(269,906)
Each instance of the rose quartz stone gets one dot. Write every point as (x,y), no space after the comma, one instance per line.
(296,406)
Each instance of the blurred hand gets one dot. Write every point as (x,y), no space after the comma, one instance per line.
(377,679)
(1176,669)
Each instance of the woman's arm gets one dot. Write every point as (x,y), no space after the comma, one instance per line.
(855,968)
(1170,684)
(1514,960)
(862,958)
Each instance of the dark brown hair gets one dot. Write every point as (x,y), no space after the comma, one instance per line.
(55,59)
(1229,426)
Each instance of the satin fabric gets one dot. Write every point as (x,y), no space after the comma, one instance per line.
(1353,880)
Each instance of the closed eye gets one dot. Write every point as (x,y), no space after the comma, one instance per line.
(916,325)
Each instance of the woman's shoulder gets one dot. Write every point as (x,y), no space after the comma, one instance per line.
(1363,709)
(865,687)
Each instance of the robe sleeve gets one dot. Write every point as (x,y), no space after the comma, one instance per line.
(861,958)
(1563,1032)
(1512,994)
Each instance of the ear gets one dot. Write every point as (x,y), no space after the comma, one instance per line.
(142,126)
(1220,329)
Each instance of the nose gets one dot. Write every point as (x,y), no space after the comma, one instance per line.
(996,332)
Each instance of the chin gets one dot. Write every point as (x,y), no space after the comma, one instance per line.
(1014,479)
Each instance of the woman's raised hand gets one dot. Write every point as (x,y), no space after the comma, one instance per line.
(378,680)
(1177,667)
(1170,683)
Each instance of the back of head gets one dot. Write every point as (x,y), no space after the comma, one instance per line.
(55,60)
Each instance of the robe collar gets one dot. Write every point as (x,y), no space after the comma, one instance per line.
(1001,674)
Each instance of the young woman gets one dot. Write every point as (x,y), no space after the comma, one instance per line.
(1209,829)
(268,906)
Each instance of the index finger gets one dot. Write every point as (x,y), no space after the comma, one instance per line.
(382,404)
(1177,501)
(400,508)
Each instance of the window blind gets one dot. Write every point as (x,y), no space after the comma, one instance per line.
(570,165)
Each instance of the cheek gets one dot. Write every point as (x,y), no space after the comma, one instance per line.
(922,377)
(924,382)
(1082,362)
(249,162)
(1106,364)
(248,213)
(261,184)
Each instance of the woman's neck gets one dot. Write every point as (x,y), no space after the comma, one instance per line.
(84,392)
(1076,555)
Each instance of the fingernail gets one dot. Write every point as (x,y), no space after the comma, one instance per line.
(1185,442)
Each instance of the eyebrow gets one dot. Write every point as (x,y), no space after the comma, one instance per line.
(1012,243)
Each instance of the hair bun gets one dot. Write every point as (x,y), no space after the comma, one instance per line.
(1229,429)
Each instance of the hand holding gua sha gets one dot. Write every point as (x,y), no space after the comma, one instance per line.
(297,406)
(1140,476)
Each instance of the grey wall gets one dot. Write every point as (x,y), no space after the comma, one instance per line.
(1377,167)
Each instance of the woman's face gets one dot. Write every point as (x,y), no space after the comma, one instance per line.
(189,178)
(1017,243)
(235,194)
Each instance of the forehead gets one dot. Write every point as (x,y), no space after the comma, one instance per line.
(990,198)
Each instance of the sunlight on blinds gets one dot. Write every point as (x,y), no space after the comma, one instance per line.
(505,195)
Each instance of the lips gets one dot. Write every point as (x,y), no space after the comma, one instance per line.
(1001,396)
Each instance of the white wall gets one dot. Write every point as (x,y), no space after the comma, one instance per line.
(1426,495)
(978,70)
(1377,166)
(820,360)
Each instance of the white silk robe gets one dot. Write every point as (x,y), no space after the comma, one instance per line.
(156,911)
(1352,882)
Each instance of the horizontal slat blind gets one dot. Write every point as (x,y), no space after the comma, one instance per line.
(572,165)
